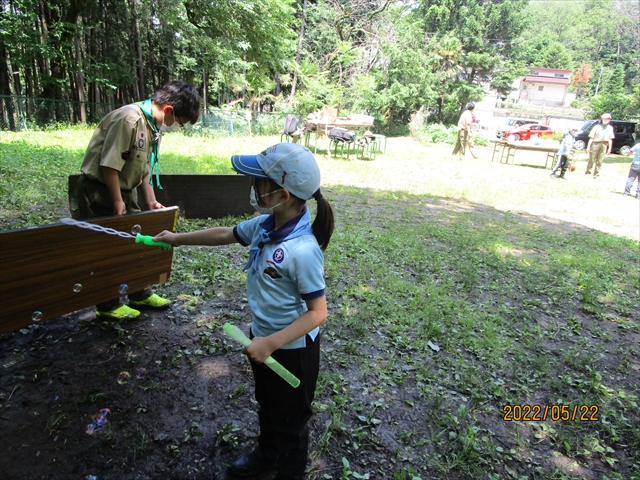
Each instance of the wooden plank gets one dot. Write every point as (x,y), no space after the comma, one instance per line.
(42,265)
(199,196)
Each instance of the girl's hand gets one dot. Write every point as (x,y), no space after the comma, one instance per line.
(259,350)
(168,237)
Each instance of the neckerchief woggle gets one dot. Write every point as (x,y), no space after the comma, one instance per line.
(294,228)
(155,151)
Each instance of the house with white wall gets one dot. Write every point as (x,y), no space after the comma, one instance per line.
(545,86)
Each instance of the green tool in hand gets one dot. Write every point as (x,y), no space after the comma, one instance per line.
(148,240)
(235,333)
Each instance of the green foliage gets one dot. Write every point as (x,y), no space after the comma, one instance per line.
(438,133)
(480,140)
(612,98)
(387,59)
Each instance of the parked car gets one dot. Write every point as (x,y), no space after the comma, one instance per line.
(525,132)
(624,135)
(512,123)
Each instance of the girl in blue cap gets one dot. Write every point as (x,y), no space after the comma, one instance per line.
(286,293)
(566,145)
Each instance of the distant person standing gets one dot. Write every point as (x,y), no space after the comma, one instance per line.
(600,140)
(465,136)
(634,171)
(563,152)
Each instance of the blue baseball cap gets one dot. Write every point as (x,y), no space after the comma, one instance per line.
(290,165)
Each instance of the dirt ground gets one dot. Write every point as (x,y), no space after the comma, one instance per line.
(179,393)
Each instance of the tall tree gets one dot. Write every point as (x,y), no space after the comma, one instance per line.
(487,31)
(303,14)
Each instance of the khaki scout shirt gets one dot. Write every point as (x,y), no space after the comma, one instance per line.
(600,133)
(122,141)
(466,119)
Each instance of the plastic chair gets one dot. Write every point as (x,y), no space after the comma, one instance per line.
(341,137)
(378,139)
(341,144)
(368,148)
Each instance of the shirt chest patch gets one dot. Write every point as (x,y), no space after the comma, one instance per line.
(272,272)
(142,138)
(278,255)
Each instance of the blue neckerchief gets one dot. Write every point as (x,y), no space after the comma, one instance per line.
(294,228)
(155,151)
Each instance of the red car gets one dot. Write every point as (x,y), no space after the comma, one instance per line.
(525,132)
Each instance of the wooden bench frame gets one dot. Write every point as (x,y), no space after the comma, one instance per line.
(507,150)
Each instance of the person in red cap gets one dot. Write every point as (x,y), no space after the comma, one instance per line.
(286,294)
(600,140)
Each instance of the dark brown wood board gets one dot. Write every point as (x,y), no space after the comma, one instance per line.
(40,266)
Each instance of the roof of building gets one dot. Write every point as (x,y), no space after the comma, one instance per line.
(538,79)
(543,69)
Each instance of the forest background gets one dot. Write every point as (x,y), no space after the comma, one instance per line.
(382,57)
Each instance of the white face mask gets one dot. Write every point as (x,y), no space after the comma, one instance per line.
(175,126)
(253,200)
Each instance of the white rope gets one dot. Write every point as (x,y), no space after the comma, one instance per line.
(95,228)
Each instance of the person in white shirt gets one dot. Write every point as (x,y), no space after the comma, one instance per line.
(600,139)
(465,137)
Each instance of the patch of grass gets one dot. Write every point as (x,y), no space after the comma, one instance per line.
(509,309)
(444,307)
(35,166)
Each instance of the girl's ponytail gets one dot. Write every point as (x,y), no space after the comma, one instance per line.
(323,224)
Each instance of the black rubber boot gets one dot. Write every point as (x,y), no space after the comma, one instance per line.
(252,463)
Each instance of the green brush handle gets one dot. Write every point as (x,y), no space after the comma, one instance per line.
(235,333)
(148,240)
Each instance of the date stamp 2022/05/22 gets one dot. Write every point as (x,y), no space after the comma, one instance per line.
(540,413)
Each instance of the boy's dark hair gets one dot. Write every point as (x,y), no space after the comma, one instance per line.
(182,97)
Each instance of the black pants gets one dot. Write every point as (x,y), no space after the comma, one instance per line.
(634,172)
(94,200)
(285,411)
(563,163)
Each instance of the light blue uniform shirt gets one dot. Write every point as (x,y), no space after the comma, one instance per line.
(567,144)
(288,272)
(636,154)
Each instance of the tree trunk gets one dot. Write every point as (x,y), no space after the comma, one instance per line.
(7,107)
(138,42)
(299,51)
(44,34)
(205,88)
(80,79)
(135,86)
(152,66)
(28,80)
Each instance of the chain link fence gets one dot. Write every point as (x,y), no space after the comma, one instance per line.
(18,113)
